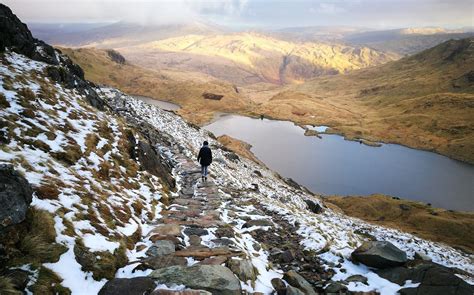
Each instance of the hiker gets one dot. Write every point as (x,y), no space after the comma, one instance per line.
(205,159)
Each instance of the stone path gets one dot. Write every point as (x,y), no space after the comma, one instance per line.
(202,242)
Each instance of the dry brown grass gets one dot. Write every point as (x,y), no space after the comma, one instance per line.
(49,283)
(3,101)
(7,287)
(439,225)
(38,245)
(47,191)
(71,154)
(239,147)
(102,264)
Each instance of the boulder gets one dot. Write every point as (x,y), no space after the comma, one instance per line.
(195,240)
(167,230)
(161,248)
(335,288)
(217,279)
(133,286)
(433,279)
(243,269)
(422,256)
(217,260)
(296,280)
(115,56)
(196,231)
(313,206)
(279,286)
(379,254)
(290,290)
(158,262)
(15,196)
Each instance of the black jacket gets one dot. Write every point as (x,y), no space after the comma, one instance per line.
(205,156)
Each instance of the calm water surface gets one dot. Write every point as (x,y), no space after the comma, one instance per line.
(332,165)
(169,106)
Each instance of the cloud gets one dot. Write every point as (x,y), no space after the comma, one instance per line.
(141,11)
(327,8)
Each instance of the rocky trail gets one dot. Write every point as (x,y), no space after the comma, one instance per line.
(206,240)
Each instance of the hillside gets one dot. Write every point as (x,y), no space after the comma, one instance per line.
(101,194)
(183,88)
(424,101)
(247,58)
(405,41)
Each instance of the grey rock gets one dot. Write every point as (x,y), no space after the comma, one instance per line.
(379,254)
(133,286)
(15,196)
(287,256)
(216,279)
(243,269)
(223,242)
(422,256)
(160,248)
(158,262)
(279,286)
(433,279)
(196,231)
(151,161)
(296,280)
(335,288)
(194,240)
(313,206)
(290,290)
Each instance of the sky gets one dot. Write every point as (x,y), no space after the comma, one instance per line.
(254,13)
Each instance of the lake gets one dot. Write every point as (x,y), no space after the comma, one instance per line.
(334,166)
(169,106)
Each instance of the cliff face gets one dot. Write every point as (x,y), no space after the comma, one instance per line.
(117,195)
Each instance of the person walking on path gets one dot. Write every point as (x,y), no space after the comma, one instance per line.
(205,159)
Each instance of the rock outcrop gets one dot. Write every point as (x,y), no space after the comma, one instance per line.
(433,279)
(379,254)
(15,196)
(212,96)
(16,36)
(115,56)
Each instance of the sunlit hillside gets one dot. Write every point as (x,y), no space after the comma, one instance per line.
(265,58)
(424,101)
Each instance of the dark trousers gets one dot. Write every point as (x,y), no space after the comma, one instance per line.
(204,170)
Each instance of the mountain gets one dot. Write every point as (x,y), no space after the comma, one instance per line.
(248,58)
(100,193)
(117,34)
(181,87)
(424,101)
(406,41)
(315,33)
